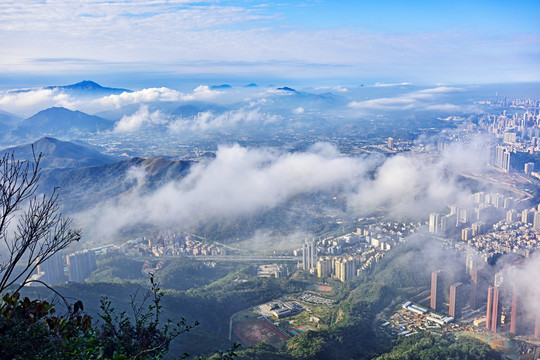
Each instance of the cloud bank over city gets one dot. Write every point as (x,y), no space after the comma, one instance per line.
(244,181)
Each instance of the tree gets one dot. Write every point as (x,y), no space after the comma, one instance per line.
(41,230)
(142,335)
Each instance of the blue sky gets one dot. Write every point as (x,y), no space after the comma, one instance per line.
(151,42)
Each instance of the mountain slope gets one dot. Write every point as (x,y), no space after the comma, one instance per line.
(59,120)
(60,154)
(88,186)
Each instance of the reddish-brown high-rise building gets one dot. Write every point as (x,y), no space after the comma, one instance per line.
(489,309)
(514,316)
(495,311)
(474,289)
(537,318)
(436,290)
(456,300)
(537,327)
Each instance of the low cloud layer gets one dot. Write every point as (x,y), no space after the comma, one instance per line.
(162,94)
(421,99)
(139,119)
(137,97)
(207,120)
(242,181)
(28,102)
(522,279)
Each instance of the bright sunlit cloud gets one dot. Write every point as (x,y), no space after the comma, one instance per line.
(421,99)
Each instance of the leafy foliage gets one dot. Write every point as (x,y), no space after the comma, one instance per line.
(426,346)
(145,336)
(30,329)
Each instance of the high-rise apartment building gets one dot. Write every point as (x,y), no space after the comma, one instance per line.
(515,316)
(536,221)
(52,270)
(502,158)
(495,310)
(436,290)
(309,254)
(80,265)
(324,267)
(456,300)
(434,223)
(391,143)
(489,308)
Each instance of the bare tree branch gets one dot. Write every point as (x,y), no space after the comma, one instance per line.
(41,230)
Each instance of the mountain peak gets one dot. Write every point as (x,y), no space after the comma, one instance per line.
(222,86)
(286,88)
(88,86)
(58,121)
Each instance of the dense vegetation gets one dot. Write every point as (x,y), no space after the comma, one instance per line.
(425,346)
(32,329)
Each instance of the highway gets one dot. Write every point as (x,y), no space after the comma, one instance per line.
(231,258)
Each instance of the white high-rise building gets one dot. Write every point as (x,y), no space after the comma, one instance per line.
(52,270)
(536,222)
(309,254)
(80,265)
(502,158)
(434,223)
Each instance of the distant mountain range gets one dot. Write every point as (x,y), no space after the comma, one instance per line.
(222,86)
(88,87)
(58,120)
(59,154)
(286,88)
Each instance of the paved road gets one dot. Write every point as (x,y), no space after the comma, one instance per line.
(239,258)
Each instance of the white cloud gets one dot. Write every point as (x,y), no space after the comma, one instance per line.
(396,103)
(148,95)
(333,88)
(279,92)
(392,84)
(208,121)
(522,278)
(141,96)
(445,107)
(31,101)
(139,119)
(239,37)
(239,181)
(298,110)
(28,102)
(440,90)
(420,99)
(201,92)
(242,181)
